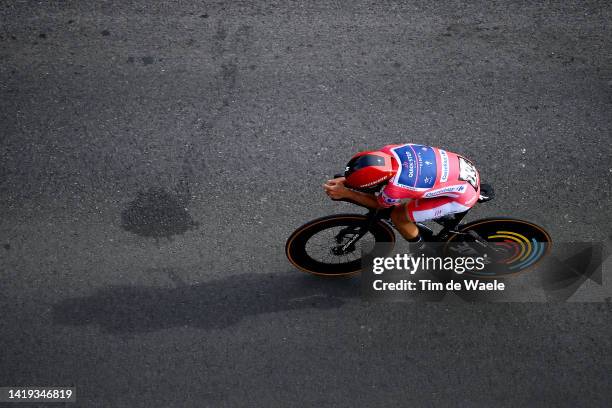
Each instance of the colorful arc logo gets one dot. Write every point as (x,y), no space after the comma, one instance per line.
(519,245)
(522,253)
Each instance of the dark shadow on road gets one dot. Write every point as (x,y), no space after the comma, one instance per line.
(211,305)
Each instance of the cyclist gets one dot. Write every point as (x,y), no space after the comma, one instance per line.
(421,182)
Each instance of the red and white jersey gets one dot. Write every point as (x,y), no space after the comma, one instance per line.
(426,172)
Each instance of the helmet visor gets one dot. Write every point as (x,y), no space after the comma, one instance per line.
(360,162)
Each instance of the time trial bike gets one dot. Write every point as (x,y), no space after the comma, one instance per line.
(333,245)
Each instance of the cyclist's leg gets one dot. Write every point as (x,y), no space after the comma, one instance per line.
(404,216)
(403,224)
(432,208)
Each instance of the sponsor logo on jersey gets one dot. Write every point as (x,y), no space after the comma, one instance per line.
(445,166)
(445,191)
(418,171)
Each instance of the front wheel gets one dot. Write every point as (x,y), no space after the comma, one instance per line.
(332,245)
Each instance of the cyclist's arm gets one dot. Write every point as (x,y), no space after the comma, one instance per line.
(364,199)
(336,190)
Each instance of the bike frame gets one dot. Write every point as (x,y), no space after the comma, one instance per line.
(449,223)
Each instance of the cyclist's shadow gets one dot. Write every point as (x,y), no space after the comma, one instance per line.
(211,305)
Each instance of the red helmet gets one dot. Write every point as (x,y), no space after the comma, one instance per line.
(369,169)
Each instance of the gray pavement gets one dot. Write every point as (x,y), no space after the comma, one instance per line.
(154,157)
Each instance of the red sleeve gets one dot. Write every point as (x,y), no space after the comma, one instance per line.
(388,196)
(393,195)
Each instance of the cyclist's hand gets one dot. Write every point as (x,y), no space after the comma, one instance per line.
(335,188)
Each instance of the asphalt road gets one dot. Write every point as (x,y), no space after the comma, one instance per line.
(223,119)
